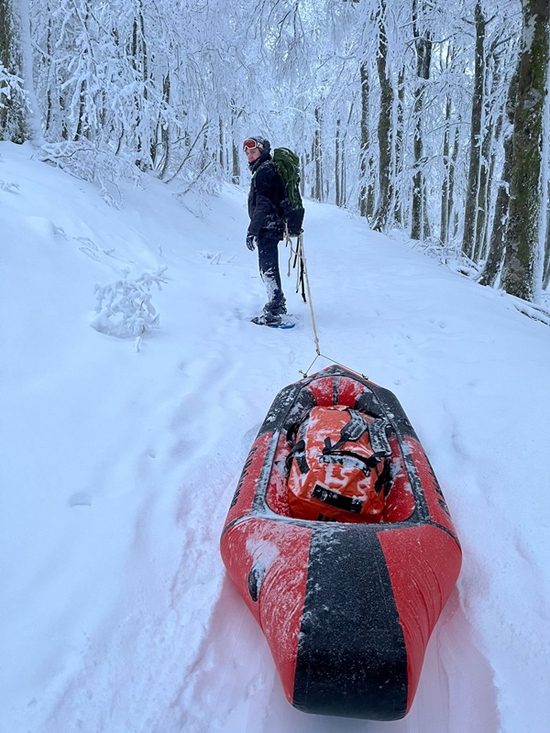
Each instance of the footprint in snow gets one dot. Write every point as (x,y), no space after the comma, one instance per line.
(80,498)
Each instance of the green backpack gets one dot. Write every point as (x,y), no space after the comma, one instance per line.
(292,208)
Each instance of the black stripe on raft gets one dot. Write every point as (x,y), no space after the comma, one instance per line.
(289,408)
(335,389)
(351,658)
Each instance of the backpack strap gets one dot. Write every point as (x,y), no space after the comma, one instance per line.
(352,430)
(378,437)
(351,433)
(299,452)
(333,498)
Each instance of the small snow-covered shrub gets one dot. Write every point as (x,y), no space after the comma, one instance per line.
(124,307)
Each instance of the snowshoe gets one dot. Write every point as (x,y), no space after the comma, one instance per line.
(282,321)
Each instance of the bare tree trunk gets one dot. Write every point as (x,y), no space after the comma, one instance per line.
(221,145)
(423,46)
(449,158)
(343,161)
(493,127)
(366,191)
(236,171)
(482,194)
(236,112)
(13,103)
(489,195)
(522,266)
(384,208)
(337,165)
(344,186)
(426,231)
(33,121)
(445,197)
(317,158)
(453,216)
(164,133)
(81,128)
(491,270)
(546,269)
(399,134)
(470,211)
(140,62)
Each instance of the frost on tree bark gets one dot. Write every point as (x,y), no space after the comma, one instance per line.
(236,113)
(163,131)
(423,46)
(338,164)
(546,268)
(446,203)
(450,150)
(521,273)
(13,106)
(384,205)
(316,154)
(398,208)
(546,273)
(483,191)
(494,130)
(341,158)
(496,245)
(366,192)
(472,192)
(140,63)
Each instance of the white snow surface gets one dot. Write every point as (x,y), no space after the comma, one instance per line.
(120,457)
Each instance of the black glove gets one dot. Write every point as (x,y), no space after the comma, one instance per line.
(251,242)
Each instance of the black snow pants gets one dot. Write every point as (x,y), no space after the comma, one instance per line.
(268,260)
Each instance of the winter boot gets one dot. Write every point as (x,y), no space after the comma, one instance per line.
(268,319)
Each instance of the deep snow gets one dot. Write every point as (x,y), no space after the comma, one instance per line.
(120,457)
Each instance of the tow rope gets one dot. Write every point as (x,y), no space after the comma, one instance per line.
(297,260)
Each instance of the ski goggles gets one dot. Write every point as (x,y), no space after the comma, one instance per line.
(251,144)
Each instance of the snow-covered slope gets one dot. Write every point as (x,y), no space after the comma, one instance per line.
(120,457)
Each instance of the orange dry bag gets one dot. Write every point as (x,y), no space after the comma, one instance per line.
(339,466)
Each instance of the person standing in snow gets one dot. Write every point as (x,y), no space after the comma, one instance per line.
(266,228)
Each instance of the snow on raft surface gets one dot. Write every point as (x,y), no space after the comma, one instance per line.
(119,459)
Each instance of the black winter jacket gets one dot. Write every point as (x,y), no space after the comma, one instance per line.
(264,198)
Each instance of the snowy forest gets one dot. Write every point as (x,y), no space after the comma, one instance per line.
(136,379)
(426,116)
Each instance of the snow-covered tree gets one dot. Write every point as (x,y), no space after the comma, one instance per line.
(14,109)
(528,182)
